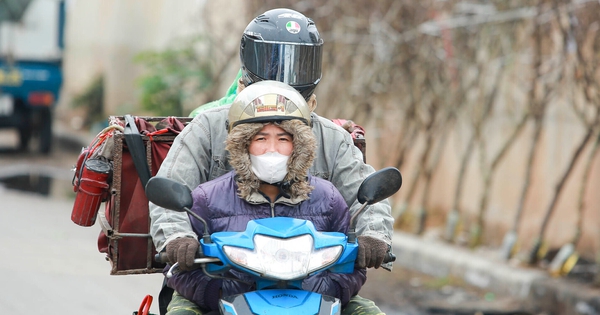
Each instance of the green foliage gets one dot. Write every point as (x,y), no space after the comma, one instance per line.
(92,99)
(173,76)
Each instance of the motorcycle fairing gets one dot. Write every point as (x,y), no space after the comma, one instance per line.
(282,227)
(280,301)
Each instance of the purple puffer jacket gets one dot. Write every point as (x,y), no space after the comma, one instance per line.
(217,202)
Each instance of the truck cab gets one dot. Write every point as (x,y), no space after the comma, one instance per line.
(31,50)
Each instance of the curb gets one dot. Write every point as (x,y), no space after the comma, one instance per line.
(485,271)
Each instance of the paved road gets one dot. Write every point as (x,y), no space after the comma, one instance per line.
(52,266)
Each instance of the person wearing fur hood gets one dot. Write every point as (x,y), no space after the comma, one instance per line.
(271,152)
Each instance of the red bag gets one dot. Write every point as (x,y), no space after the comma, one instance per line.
(125,221)
(357,132)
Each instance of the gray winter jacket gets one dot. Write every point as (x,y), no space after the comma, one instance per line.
(198,155)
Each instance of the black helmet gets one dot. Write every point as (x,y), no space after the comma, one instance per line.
(282,45)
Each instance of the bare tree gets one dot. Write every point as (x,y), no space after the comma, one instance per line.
(431,77)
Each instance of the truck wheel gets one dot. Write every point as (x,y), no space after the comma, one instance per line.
(24,137)
(45,131)
(24,125)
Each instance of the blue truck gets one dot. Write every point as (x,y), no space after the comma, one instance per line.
(31,50)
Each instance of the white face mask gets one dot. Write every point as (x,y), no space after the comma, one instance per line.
(270,167)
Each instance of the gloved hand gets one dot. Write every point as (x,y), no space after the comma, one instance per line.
(371,252)
(182,250)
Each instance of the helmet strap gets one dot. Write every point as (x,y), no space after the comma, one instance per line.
(241,85)
(284,187)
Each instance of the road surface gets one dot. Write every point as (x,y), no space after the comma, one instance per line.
(53,266)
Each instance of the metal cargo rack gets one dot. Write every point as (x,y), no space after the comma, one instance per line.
(113,231)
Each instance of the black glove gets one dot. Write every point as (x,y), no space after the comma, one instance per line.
(371,252)
(182,250)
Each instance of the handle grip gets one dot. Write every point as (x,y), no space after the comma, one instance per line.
(389,257)
(161,258)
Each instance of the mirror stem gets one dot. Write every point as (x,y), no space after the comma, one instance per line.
(355,216)
(351,236)
(206,235)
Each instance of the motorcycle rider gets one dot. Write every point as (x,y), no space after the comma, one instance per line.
(271,147)
(198,154)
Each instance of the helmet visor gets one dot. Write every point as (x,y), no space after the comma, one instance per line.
(288,63)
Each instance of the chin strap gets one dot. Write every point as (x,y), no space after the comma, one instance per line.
(284,187)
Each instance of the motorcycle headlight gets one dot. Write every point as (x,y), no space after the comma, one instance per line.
(283,258)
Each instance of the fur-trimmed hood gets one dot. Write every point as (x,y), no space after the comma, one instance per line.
(303,154)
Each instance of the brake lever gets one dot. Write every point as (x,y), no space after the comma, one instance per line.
(175,268)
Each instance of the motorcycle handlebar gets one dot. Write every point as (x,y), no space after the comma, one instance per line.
(389,257)
(161,258)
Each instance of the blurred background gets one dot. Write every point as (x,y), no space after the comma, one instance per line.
(490,109)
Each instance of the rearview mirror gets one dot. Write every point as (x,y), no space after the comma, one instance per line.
(379,185)
(375,188)
(167,193)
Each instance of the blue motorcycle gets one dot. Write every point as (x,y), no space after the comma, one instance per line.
(278,252)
